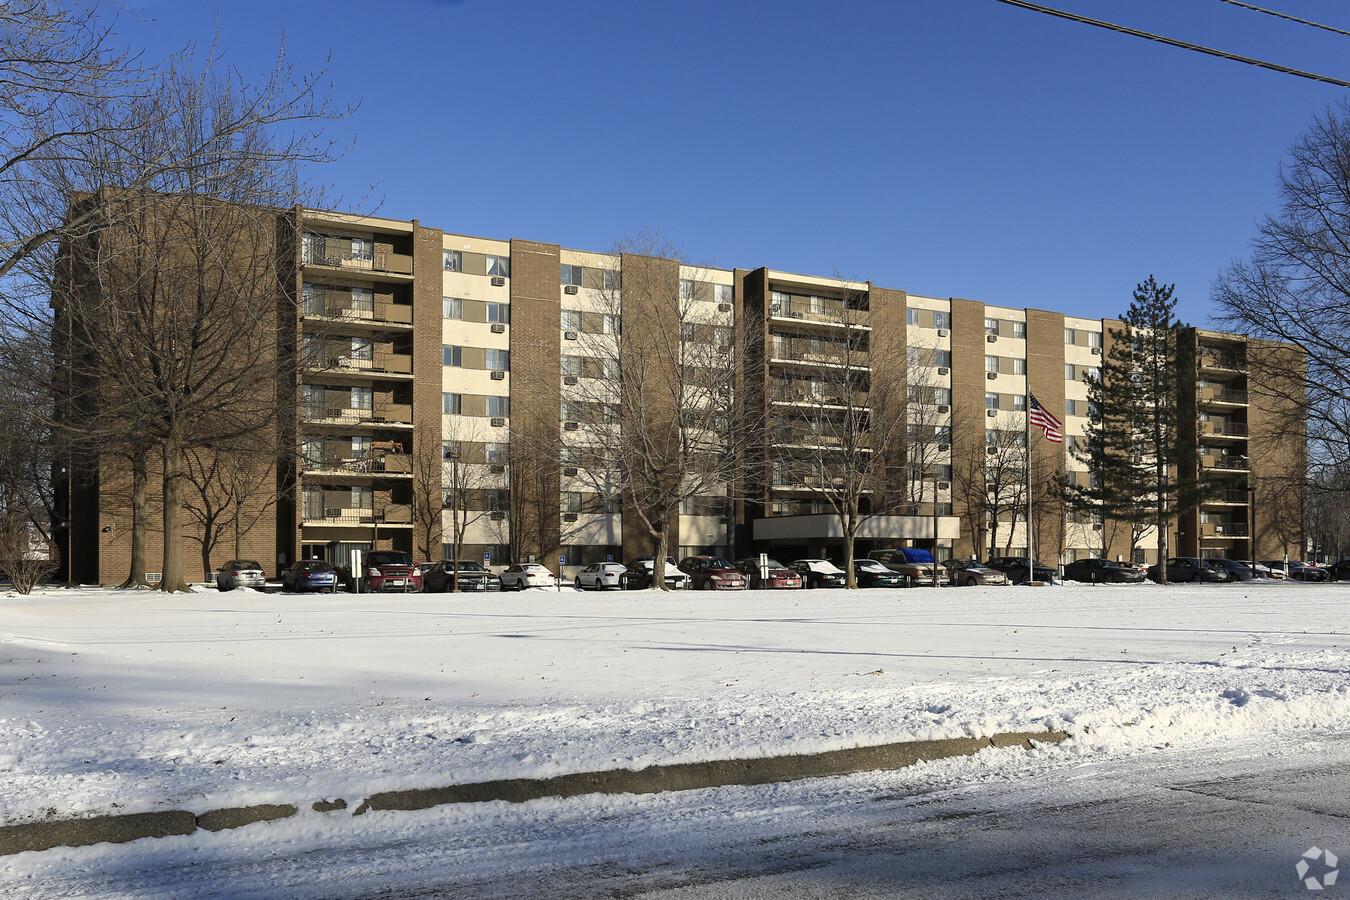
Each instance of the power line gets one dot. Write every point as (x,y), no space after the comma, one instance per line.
(1280,15)
(1173,42)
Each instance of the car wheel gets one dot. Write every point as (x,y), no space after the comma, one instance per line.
(576,582)
(907,581)
(972,581)
(706,585)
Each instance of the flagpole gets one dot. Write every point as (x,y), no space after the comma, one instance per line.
(1031,549)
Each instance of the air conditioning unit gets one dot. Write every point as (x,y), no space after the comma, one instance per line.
(569,517)
(991,450)
(944,485)
(798,315)
(569,335)
(497,515)
(498,375)
(569,379)
(570,426)
(498,422)
(991,413)
(991,338)
(498,281)
(943,370)
(1096,526)
(1096,351)
(944,409)
(942,332)
(569,472)
(498,328)
(943,448)
(569,289)
(991,375)
(724,307)
(497,470)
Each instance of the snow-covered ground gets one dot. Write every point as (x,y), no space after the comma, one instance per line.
(126,702)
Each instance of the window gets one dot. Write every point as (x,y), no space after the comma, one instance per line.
(687,332)
(498,500)
(450,404)
(499,313)
(451,355)
(1095,339)
(817,306)
(499,406)
(1093,372)
(497,359)
(610,369)
(942,396)
(1019,366)
(454,261)
(363,349)
(1071,407)
(452,308)
(942,358)
(942,320)
(1070,372)
(912,354)
(571,365)
(991,364)
(991,326)
(723,293)
(943,434)
(686,289)
(1020,402)
(722,338)
(611,280)
(611,324)
(570,274)
(943,472)
(991,401)
(497,453)
(912,317)
(1070,336)
(990,437)
(363,249)
(565,412)
(499,265)
(1019,329)
(571,320)
(363,299)
(780,299)
(571,501)
(451,449)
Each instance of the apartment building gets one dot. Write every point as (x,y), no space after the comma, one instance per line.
(440,380)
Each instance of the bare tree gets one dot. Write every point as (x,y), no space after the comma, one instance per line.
(227,494)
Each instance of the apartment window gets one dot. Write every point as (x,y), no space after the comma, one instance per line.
(451,449)
(723,293)
(942,320)
(496,453)
(570,274)
(817,305)
(451,355)
(610,369)
(942,358)
(571,365)
(498,500)
(722,337)
(1019,366)
(1019,329)
(498,313)
(363,349)
(991,364)
(942,434)
(611,414)
(362,398)
(497,359)
(991,327)
(613,506)
(1071,407)
(686,289)
(1095,339)
(499,265)
(991,401)
(611,324)
(942,396)
(780,299)
(452,308)
(1093,372)
(363,249)
(912,317)
(363,299)
(1070,372)
(611,280)
(912,354)
(454,261)
(499,406)
(565,412)
(687,332)
(990,437)
(571,501)
(1070,336)
(1020,402)
(450,404)
(571,320)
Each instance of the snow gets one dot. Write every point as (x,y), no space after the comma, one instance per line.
(118,702)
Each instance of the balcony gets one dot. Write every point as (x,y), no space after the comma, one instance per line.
(834,316)
(382,464)
(1223,530)
(380,365)
(1216,394)
(379,414)
(336,306)
(393,514)
(339,256)
(1221,428)
(1232,463)
(1223,359)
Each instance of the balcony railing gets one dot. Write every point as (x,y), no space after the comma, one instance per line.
(1234,360)
(1223,395)
(336,305)
(1223,429)
(375,464)
(393,514)
(316,254)
(380,413)
(1226,462)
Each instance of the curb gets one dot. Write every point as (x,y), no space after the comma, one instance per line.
(653,779)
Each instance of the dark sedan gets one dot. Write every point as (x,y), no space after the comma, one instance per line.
(310,575)
(473,576)
(871,573)
(1187,568)
(1101,571)
(1016,568)
(1232,569)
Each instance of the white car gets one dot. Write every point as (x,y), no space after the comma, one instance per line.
(527,575)
(600,576)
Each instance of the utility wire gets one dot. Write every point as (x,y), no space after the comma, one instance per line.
(1173,42)
(1280,15)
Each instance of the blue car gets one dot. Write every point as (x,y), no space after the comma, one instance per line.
(310,575)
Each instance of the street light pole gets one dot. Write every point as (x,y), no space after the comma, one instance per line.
(454,520)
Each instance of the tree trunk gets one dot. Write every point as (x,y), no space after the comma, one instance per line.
(659,560)
(171,578)
(139,492)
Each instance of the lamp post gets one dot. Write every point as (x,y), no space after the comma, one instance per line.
(1251,524)
(454,520)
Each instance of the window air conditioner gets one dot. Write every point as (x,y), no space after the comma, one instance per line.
(498,375)
(569,517)
(991,338)
(569,289)
(944,485)
(497,469)
(942,332)
(569,335)
(497,515)
(498,328)
(943,448)
(1096,351)
(724,307)
(943,370)
(569,472)
(944,408)
(991,375)
(498,281)
(569,379)
(991,449)
(570,426)
(1096,526)
(498,422)
(991,413)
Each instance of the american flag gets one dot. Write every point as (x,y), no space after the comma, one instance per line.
(1044,421)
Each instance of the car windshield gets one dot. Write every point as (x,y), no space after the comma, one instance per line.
(244,564)
(471,567)
(717,563)
(388,558)
(317,567)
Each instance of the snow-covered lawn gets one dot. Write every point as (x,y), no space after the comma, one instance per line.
(124,702)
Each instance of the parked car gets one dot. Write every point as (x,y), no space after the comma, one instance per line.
(389,570)
(971,572)
(600,576)
(1187,568)
(1016,569)
(1232,569)
(870,573)
(707,573)
(915,566)
(240,573)
(310,575)
(818,573)
(1096,570)
(1337,571)
(1261,570)
(473,576)
(520,576)
(1302,571)
(779,575)
(638,575)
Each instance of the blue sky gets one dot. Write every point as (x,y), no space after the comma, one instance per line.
(959,148)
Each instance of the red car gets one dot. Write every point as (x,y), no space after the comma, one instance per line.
(389,570)
(780,576)
(712,573)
